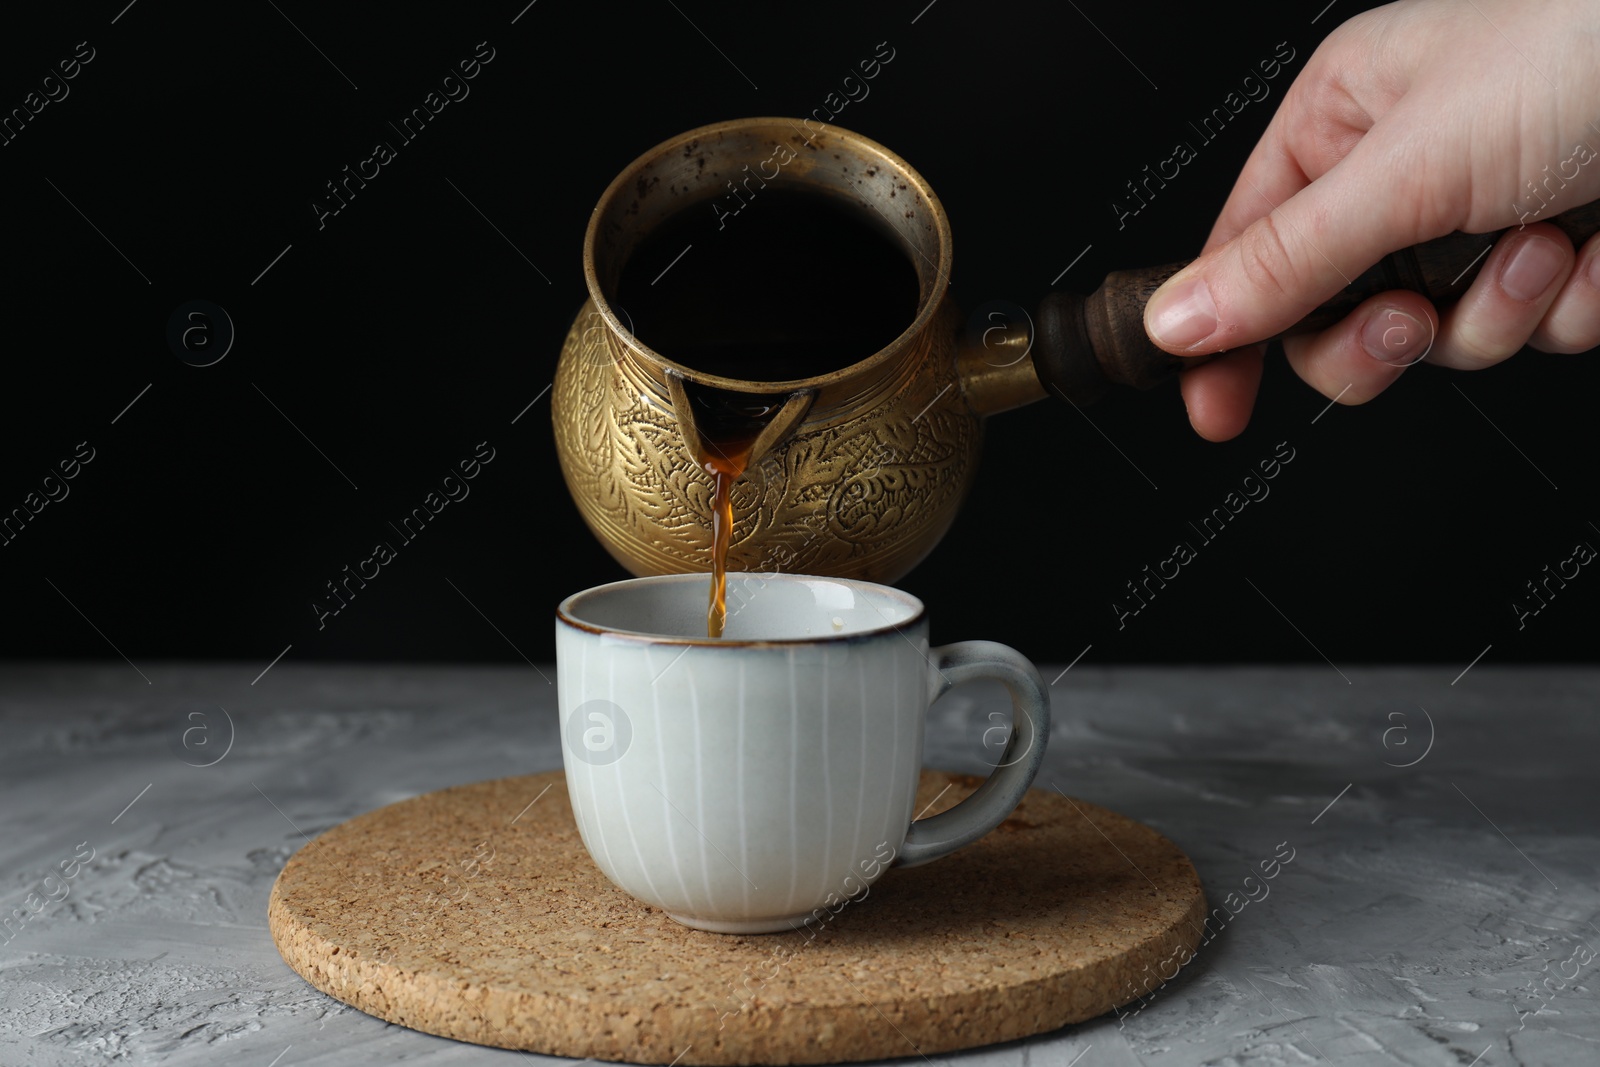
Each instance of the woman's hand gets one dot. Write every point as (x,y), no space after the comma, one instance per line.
(1409,122)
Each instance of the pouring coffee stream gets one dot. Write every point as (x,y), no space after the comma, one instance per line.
(862,410)
(726,427)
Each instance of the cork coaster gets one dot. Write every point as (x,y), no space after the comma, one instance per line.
(475,913)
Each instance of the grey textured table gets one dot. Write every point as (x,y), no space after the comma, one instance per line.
(1440,907)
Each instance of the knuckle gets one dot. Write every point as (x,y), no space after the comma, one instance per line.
(1266,260)
(1566,334)
(1327,363)
(1474,349)
(1555,347)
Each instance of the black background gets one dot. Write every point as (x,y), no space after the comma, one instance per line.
(407,330)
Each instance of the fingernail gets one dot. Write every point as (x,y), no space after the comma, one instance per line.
(1392,336)
(1594,271)
(1183,316)
(1531,268)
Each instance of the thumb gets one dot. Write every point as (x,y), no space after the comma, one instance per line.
(1296,255)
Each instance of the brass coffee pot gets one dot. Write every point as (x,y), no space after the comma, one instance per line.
(859,471)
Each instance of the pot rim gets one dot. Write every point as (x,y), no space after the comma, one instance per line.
(929,299)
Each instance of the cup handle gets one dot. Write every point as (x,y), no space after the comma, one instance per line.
(993,801)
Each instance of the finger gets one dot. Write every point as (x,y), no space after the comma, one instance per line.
(1220,393)
(1573,322)
(1316,126)
(1285,263)
(1362,355)
(1271,175)
(1507,300)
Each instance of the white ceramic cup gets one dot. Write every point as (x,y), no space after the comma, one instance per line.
(742,783)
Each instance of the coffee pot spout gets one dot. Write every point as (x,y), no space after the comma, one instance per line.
(706,416)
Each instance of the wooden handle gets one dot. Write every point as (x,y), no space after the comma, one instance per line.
(1086,344)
